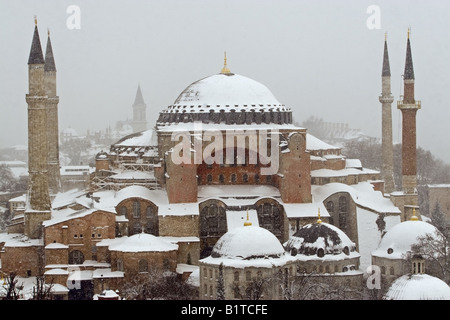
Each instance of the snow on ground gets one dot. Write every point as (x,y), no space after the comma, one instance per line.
(369,236)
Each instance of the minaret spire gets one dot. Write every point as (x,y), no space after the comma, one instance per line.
(386,99)
(49,59)
(36,56)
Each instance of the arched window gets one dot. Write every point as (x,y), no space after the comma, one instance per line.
(221,178)
(76,257)
(137,228)
(343,212)
(245,178)
(209,178)
(236,276)
(149,212)
(119,265)
(136,209)
(123,211)
(233,178)
(256,178)
(143,265)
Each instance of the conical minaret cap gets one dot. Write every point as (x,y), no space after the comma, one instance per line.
(49,59)
(386,67)
(409,69)
(36,56)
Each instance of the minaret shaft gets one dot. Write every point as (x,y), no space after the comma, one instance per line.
(386,99)
(38,200)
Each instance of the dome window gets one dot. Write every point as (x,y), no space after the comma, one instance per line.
(346,250)
(390,251)
(294,252)
(320,253)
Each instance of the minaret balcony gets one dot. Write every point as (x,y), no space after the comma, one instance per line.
(386,99)
(402,105)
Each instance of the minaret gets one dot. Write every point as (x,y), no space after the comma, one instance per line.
(139,112)
(38,200)
(409,107)
(54,178)
(386,99)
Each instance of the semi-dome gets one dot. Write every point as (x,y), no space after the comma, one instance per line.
(248,242)
(399,239)
(418,287)
(319,239)
(143,242)
(229,98)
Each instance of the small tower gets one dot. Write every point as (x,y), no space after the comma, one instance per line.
(139,122)
(38,206)
(54,178)
(409,107)
(386,99)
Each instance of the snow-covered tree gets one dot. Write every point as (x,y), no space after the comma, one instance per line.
(220,284)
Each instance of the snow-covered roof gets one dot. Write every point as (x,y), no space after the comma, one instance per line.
(418,287)
(314,143)
(139,139)
(220,90)
(142,242)
(363,194)
(399,239)
(312,237)
(247,242)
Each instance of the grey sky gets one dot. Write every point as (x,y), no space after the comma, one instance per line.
(317,57)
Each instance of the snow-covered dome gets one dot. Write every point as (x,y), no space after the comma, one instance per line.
(399,239)
(226,89)
(247,242)
(228,98)
(319,239)
(418,287)
(143,242)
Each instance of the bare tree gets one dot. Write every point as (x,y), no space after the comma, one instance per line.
(12,289)
(42,290)
(157,284)
(434,248)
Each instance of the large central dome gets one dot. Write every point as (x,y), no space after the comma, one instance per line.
(227,89)
(226,98)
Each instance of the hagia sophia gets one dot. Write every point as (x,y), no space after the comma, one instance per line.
(222,184)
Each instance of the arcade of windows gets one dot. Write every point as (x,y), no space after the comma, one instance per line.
(141,220)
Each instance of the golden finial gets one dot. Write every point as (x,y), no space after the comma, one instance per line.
(414,217)
(247,223)
(35,20)
(48,32)
(225,69)
(318,214)
(385,36)
(409,32)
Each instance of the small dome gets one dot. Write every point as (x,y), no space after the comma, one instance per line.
(399,239)
(418,287)
(248,242)
(143,242)
(102,155)
(319,239)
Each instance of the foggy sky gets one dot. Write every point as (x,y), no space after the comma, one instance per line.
(317,57)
